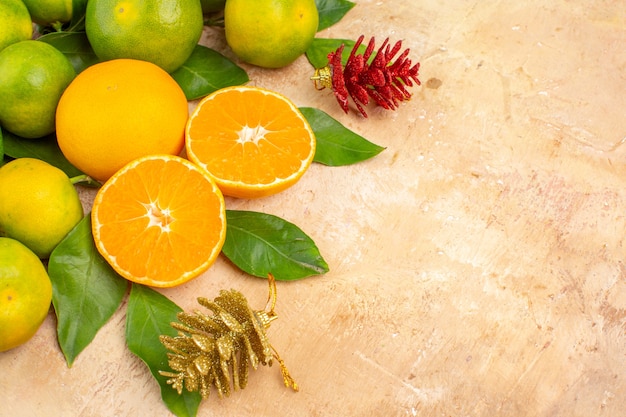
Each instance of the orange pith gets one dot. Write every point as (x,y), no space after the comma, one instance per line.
(159,221)
(253,142)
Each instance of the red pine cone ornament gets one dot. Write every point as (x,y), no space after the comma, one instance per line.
(382,80)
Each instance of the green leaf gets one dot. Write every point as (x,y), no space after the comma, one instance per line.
(75,46)
(45,148)
(78,15)
(86,291)
(332,11)
(206,71)
(261,243)
(1,146)
(337,145)
(317,54)
(148,316)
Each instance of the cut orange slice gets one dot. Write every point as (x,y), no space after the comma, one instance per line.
(159,221)
(253,142)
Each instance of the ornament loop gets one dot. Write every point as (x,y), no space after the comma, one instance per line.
(324,77)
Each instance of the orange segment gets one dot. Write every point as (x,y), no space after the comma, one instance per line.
(159,221)
(253,142)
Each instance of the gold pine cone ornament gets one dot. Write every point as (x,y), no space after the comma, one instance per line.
(218,349)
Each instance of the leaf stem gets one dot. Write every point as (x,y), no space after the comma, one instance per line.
(214,21)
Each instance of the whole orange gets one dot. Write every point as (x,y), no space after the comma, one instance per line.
(116,111)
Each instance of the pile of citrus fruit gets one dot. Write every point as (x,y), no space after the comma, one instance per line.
(158,217)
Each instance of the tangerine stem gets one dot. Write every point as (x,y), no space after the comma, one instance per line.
(57,26)
(84,179)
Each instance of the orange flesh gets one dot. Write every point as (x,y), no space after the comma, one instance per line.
(250,137)
(160,225)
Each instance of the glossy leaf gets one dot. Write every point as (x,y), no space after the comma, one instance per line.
(206,71)
(45,148)
(260,243)
(75,46)
(317,54)
(86,291)
(332,11)
(337,145)
(148,316)
(78,15)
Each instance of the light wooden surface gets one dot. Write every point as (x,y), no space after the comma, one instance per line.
(477,264)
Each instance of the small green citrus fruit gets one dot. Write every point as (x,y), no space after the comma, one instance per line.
(163,32)
(15,23)
(38,204)
(49,12)
(25,294)
(33,75)
(270,33)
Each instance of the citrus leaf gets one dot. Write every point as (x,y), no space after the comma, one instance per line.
(86,291)
(45,148)
(317,54)
(336,144)
(148,316)
(260,243)
(75,46)
(332,11)
(78,15)
(206,71)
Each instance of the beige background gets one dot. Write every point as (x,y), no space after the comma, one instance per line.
(477,264)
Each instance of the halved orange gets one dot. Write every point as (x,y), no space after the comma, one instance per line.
(253,142)
(159,221)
